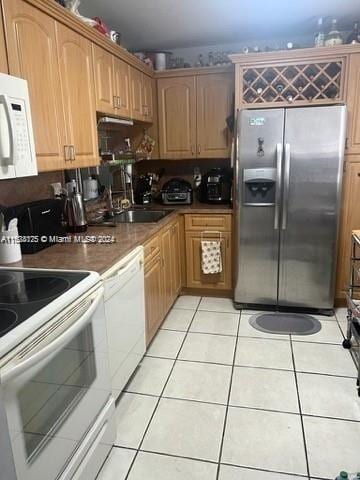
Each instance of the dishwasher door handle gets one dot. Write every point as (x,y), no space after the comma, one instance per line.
(122,275)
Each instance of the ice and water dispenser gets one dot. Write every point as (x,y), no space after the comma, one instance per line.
(259,186)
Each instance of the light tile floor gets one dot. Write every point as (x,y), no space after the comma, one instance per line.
(215,399)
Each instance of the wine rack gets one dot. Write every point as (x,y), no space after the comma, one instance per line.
(309,82)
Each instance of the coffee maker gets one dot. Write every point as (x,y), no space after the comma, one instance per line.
(216,186)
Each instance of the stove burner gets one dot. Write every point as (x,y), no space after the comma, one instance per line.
(5,278)
(8,318)
(33,289)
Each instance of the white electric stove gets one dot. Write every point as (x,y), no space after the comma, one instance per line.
(55,395)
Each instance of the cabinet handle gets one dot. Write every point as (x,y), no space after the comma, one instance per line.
(115,104)
(66,153)
(119,102)
(199,149)
(347,143)
(192,149)
(72,150)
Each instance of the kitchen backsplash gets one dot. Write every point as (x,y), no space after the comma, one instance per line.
(27,189)
(179,168)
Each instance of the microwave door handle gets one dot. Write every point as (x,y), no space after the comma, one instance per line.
(51,349)
(4,101)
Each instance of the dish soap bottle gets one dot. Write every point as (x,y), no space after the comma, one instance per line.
(333,37)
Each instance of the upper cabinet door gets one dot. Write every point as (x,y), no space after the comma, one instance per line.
(32,55)
(78,93)
(214,95)
(4,68)
(148,95)
(122,88)
(136,89)
(104,80)
(177,117)
(353,105)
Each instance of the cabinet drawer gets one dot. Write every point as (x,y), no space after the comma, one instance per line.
(151,248)
(220,223)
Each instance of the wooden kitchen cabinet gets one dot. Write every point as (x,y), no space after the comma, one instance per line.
(4,67)
(177,117)
(111,83)
(32,53)
(192,115)
(170,248)
(167,254)
(194,276)
(176,241)
(136,92)
(162,275)
(153,296)
(148,98)
(122,88)
(350,220)
(353,106)
(214,102)
(78,94)
(104,80)
(207,227)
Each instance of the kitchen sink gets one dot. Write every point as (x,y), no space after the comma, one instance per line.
(132,216)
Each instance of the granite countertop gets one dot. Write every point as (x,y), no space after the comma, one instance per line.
(101,257)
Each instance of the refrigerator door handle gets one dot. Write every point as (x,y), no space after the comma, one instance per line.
(286,185)
(279,155)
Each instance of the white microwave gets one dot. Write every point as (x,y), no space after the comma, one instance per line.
(17,149)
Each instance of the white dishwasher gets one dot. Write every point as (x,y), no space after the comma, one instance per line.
(125,317)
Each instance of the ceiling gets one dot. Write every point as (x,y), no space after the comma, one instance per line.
(166,24)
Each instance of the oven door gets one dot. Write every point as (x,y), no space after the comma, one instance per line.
(55,386)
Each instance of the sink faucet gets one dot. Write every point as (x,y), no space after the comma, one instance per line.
(107,196)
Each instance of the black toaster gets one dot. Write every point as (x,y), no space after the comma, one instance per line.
(177,191)
(39,223)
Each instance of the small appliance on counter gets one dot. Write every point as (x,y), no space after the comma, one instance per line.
(216,186)
(177,191)
(142,193)
(40,221)
(75,213)
(74,209)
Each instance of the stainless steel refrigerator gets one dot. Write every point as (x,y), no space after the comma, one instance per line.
(288,174)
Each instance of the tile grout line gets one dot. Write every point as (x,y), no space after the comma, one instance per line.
(300,409)
(228,401)
(160,396)
(254,366)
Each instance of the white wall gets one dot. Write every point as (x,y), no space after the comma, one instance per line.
(191,54)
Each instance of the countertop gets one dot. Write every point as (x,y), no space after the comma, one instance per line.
(100,257)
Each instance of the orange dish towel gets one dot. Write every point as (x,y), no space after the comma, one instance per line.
(211,262)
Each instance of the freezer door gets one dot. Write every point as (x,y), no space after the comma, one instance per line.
(314,148)
(257,202)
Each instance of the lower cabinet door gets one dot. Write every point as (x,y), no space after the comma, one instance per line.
(153,296)
(195,278)
(167,257)
(176,259)
(350,220)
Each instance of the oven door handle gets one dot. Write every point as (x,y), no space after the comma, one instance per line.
(52,348)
